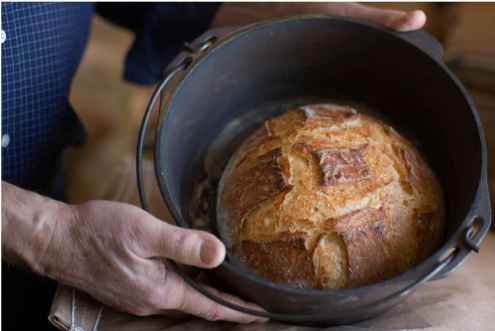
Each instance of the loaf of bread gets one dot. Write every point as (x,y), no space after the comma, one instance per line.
(323,197)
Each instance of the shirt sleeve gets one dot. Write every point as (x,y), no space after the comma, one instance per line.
(161,29)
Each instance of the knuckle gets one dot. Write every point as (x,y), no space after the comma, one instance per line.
(166,301)
(156,274)
(246,319)
(141,312)
(213,313)
(240,318)
(191,239)
(153,299)
(187,249)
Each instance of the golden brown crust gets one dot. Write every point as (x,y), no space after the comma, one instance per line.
(343,165)
(355,220)
(286,259)
(368,256)
(325,197)
(315,114)
(264,179)
(428,234)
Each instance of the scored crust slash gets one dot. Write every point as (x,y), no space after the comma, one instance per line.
(324,197)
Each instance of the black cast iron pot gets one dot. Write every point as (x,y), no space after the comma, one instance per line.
(230,80)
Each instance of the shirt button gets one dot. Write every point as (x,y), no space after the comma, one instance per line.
(5,140)
(3,36)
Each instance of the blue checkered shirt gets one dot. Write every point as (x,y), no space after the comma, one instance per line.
(42,44)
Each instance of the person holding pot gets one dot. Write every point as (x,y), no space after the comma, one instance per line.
(110,250)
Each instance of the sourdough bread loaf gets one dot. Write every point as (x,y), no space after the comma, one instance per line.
(323,197)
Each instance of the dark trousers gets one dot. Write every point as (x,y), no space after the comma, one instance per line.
(27,297)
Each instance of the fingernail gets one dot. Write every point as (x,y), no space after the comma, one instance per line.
(399,23)
(208,252)
(398,20)
(394,18)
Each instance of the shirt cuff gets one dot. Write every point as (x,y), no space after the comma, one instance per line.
(160,38)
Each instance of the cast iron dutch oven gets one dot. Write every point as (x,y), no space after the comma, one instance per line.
(229,80)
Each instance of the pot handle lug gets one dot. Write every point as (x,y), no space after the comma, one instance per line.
(199,45)
(468,237)
(424,41)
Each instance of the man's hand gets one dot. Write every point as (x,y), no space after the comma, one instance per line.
(112,251)
(237,13)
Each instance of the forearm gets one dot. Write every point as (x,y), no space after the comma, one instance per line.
(28,224)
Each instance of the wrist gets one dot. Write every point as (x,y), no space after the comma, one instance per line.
(49,228)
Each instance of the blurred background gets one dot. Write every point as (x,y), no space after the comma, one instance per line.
(112,110)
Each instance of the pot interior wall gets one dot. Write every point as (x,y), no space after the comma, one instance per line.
(272,69)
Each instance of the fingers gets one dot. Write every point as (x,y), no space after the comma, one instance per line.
(411,21)
(397,20)
(191,247)
(182,297)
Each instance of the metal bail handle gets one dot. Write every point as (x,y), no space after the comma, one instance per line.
(142,131)
(181,64)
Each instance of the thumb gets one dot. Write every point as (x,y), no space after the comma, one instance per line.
(394,19)
(191,247)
